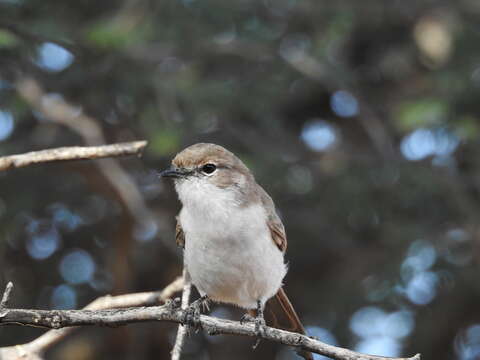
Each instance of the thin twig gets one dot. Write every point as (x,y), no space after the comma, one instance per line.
(71,153)
(63,318)
(182,330)
(6,296)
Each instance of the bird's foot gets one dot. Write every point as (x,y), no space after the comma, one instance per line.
(259,322)
(259,328)
(173,304)
(247,318)
(191,315)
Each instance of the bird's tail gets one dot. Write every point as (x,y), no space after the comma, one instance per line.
(280,313)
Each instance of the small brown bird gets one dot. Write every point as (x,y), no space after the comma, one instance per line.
(234,242)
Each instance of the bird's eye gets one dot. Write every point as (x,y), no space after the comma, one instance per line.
(209,168)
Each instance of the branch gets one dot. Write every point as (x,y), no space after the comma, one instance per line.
(57,319)
(182,330)
(6,296)
(44,342)
(71,153)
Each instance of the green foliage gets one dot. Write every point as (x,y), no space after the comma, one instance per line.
(7,39)
(118,33)
(421,113)
(166,142)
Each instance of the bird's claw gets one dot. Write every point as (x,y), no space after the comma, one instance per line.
(191,315)
(259,327)
(259,323)
(246,319)
(173,304)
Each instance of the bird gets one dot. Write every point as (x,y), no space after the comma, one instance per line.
(233,240)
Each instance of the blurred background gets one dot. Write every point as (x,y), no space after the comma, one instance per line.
(360,118)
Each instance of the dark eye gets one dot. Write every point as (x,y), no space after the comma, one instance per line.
(209,168)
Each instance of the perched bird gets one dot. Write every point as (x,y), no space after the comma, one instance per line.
(234,242)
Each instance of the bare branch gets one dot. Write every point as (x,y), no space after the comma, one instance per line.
(63,318)
(71,153)
(33,349)
(182,330)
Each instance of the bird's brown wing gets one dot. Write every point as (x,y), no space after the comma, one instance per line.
(179,234)
(277,230)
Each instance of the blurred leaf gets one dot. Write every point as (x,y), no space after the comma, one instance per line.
(426,112)
(7,39)
(118,33)
(164,142)
(468,128)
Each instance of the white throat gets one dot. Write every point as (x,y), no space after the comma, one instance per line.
(202,198)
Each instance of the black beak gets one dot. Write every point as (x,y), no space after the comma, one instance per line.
(173,173)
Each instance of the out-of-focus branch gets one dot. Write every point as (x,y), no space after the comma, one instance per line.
(35,348)
(57,110)
(71,153)
(60,112)
(182,330)
(332,79)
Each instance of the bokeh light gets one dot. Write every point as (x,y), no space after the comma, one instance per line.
(64,297)
(64,217)
(381,332)
(467,343)
(423,142)
(422,288)
(319,135)
(77,267)
(145,231)
(344,104)
(53,57)
(420,282)
(6,124)
(43,243)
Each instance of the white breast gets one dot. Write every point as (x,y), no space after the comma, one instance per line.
(229,252)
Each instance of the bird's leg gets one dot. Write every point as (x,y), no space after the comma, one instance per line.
(258,320)
(192,313)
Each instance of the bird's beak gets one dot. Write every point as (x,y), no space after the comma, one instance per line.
(173,173)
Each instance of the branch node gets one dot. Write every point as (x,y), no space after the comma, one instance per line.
(56,321)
